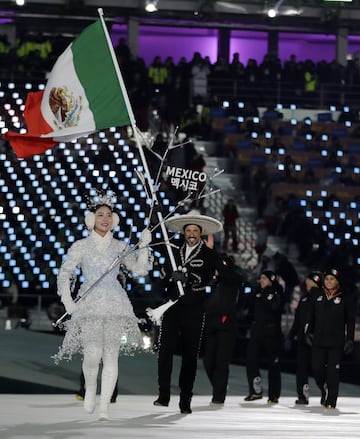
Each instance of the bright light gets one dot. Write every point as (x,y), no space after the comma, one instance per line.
(272,13)
(151,5)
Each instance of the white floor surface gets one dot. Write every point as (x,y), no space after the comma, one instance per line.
(37,401)
(134,416)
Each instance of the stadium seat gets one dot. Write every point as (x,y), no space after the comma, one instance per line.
(217,112)
(299,145)
(315,162)
(244,143)
(324,117)
(257,160)
(339,132)
(354,148)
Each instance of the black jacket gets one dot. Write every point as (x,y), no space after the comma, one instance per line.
(221,306)
(302,314)
(331,320)
(268,304)
(199,270)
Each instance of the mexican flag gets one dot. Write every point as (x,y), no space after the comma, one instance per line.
(84,93)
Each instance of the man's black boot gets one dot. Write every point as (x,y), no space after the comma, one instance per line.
(163,400)
(184,404)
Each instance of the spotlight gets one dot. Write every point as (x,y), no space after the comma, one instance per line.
(272,13)
(151,5)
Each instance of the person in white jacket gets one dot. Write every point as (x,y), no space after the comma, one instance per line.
(102,322)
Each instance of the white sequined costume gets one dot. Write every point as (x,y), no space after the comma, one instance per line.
(104,319)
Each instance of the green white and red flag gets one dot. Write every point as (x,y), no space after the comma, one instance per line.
(83,94)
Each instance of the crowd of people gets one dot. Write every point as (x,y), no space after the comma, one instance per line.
(324,311)
(323,328)
(201,299)
(189,81)
(284,216)
(290,212)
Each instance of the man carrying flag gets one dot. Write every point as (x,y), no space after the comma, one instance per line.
(197,265)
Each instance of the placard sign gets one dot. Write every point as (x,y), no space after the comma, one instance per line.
(185,179)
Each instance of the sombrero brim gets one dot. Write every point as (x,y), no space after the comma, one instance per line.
(208,225)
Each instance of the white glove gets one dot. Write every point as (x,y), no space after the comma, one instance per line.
(70,305)
(145,238)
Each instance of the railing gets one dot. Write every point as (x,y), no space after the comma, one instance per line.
(261,93)
(286,93)
(41,302)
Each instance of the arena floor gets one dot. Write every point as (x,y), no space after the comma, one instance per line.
(37,401)
(134,416)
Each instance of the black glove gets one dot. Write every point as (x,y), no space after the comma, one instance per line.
(174,294)
(180,275)
(348,347)
(309,339)
(229,261)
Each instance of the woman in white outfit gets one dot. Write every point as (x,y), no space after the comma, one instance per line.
(103,323)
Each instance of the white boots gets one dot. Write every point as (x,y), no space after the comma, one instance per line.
(90,375)
(108,382)
(104,411)
(90,398)
(90,402)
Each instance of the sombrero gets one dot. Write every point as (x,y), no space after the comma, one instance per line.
(208,224)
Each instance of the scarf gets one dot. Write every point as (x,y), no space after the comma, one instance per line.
(331,294)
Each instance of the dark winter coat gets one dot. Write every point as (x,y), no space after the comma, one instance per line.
(221,306)
(302,314)
(332,320)
(268,304)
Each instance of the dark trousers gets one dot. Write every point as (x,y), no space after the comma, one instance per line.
(258,346)
(186,321)
(326,370)
(218,352)
(303,365)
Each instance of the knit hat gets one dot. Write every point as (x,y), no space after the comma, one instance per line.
(270,275)
(316,277)
(332,272)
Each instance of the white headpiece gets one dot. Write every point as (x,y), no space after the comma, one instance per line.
(101,199)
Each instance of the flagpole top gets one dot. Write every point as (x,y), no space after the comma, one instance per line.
(100,11)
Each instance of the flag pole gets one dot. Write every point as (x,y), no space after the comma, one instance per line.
(141,151)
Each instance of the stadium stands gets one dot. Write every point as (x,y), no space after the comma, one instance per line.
(43,199)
